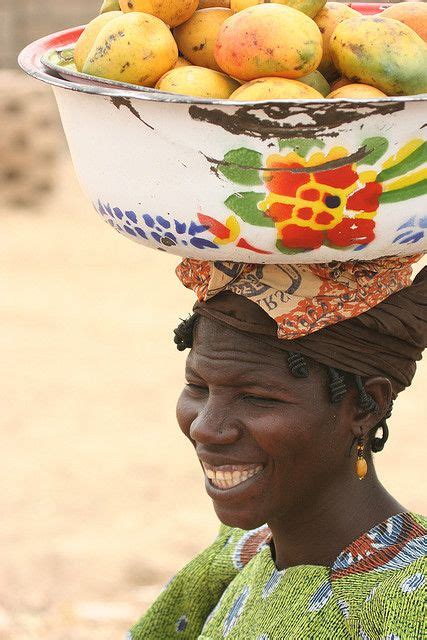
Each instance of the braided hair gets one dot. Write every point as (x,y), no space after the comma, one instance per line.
(339,381)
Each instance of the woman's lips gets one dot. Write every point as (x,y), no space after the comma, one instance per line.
(230,475)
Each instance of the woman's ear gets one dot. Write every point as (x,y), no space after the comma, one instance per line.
(366,417)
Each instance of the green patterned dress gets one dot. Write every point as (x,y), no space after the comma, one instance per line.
(375,590)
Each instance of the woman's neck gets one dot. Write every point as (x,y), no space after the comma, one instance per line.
(317,532)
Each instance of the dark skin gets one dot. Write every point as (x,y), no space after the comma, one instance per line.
(242,406)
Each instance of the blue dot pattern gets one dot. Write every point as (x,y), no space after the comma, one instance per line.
(182,623)
(235,611)
(272,584)
(413,583)
(166,232)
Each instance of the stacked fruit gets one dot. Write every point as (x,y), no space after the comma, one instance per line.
(258,50)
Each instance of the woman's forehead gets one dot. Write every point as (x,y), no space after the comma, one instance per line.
(220,348)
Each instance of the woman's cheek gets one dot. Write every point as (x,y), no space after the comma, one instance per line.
(186,412)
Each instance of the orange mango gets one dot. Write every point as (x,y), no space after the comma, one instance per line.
(268,40)
(413,14)
(275,89)
(196,38)
(357,91)
(172,12)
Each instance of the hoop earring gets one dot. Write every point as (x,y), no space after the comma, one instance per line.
(361,464)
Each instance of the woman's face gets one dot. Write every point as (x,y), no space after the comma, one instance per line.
(270,444)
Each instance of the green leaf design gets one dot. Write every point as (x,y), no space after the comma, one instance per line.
(244,205)
(301,146)
(290,252)
(404,193)
(375,149)
(414,160)
(242,166)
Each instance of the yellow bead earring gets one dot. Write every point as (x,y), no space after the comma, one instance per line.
(361,464)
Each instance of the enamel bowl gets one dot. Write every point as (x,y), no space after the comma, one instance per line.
(265,182)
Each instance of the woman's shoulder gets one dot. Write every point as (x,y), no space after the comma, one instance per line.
(384,585)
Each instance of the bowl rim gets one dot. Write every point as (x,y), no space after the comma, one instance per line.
(30,61)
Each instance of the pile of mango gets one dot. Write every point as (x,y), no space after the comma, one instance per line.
(258,50)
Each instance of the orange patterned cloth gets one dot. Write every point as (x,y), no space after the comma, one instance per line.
(302,298)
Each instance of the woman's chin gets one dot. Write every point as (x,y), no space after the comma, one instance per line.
(238,518)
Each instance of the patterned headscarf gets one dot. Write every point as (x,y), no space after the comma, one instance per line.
(361,317)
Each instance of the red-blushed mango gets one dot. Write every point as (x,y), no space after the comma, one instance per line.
(413,14)
(356,91)
(317,81)
(198,82)
(205,4)
(309,7)
(135,47)
(327,19)
(172,12)
(275,89)
(381,52)
(268,40)
(196,38)
(85,43)
(340,82)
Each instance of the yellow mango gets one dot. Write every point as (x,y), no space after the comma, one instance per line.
(197,81)
(317,81)
(196,38)
(381,52)
(413,14)
(172,12)
(327,19)
(356,91)
(85,43)
(309,7)
(110,5)
(136,48)
(268,40)
(206,4)
(274,89)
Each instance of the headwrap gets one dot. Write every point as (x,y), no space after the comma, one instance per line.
(361,317)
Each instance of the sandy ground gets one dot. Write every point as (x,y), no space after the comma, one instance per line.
(101,497)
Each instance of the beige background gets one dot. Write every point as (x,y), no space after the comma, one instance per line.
(101,498)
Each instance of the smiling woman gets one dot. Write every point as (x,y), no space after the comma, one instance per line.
(284,417)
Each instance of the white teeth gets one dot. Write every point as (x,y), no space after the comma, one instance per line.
(228,479)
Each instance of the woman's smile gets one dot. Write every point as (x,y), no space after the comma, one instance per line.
(228,476)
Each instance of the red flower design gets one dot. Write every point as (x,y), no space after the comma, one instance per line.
(352,231)
(365,199)
(309,201)
(295,237)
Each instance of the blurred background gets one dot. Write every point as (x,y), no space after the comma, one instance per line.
(101,498)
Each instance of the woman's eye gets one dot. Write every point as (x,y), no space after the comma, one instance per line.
(191,386)
(261,400)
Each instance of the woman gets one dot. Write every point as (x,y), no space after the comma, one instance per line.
(284,428)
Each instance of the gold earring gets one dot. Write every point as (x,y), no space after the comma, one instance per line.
(361,464)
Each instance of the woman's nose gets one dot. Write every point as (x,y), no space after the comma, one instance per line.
(215,424)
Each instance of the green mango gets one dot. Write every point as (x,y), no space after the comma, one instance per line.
(110,5)
(381,52)
(317,81)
